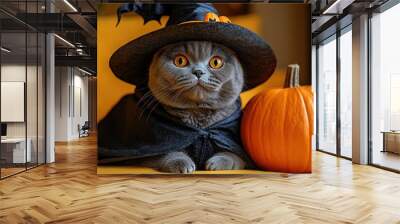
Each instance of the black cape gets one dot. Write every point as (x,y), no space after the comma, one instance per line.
(132,130)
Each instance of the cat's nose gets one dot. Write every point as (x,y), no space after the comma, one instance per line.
(198,73)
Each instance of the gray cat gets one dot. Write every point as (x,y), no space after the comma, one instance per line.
(197,82)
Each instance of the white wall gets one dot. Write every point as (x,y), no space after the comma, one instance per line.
(61,103)
(71,102)
(80,94)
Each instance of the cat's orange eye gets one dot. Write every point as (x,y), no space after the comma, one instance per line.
(180,61)
(216,62)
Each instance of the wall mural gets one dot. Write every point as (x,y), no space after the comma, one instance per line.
(185,89)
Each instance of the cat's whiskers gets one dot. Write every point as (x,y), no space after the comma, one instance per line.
(166,94)
(155,92)
(181,78)
(149,99)
(151,107)
(209,85)
(148,102)
(173,95)
(215,81)
(144,97)
(225,92)
(184,81)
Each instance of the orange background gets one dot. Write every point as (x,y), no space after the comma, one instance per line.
(284,26)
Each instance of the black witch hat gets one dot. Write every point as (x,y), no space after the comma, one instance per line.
(190,22)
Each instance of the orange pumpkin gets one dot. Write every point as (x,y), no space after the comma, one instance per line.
(211,17)
(224,19)
(277,126)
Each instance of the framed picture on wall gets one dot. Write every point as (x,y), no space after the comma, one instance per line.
(13,101)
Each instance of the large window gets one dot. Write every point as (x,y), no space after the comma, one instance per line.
(385,89)
(334,94)
(327,96)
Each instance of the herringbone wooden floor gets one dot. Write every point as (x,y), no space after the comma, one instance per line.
(69,191)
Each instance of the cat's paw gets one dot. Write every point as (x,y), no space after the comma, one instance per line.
(179,165)
(225,161)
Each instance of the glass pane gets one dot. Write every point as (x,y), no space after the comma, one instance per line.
(346,94)
(13,89)
(41,98)
(385,85)
(32,95)
(327,97)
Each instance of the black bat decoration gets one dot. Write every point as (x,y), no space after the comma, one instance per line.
(178,12)
(147,11)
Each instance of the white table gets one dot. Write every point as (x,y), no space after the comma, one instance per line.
(19,153)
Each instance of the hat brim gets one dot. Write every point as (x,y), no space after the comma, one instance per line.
(131,62)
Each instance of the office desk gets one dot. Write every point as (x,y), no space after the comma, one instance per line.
(13,150)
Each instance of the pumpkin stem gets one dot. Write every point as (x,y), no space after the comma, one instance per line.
(292,78)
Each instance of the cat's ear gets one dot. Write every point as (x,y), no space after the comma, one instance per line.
(147,11)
